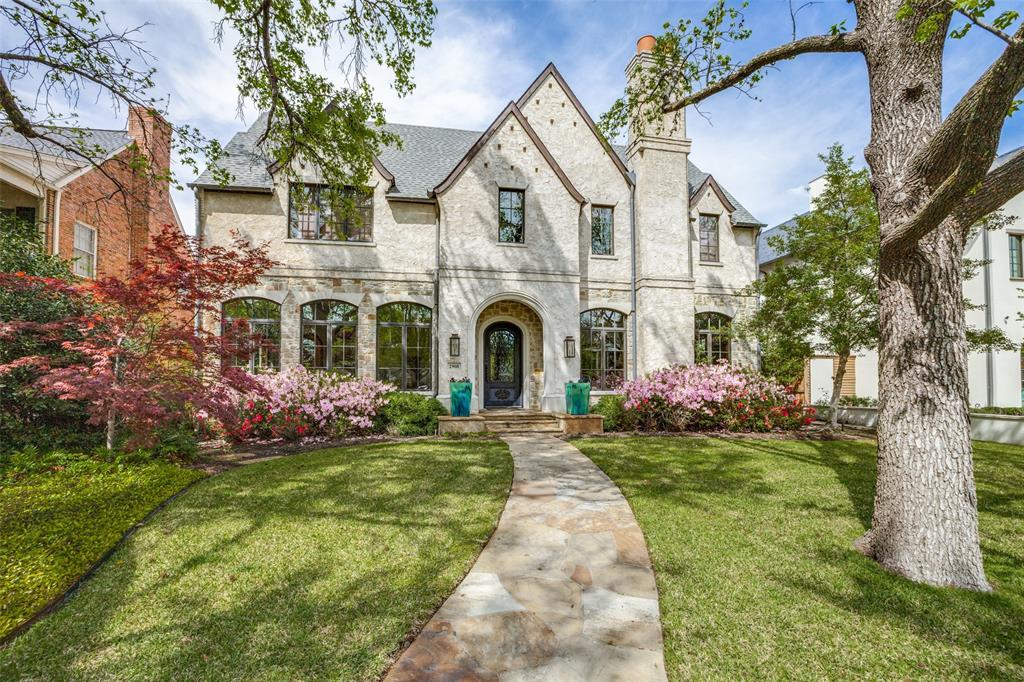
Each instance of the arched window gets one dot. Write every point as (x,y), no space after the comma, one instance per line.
(328,336)
(603,348)
(403,345)
(713,338)
(263,319)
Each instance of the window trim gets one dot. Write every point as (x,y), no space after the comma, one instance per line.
(320,223)
(602,368)
(611,231)
(698,333)
(251,365)
(95,247)
(1020,254)
(718,237)
(522,192)
(330,325)
(405,326)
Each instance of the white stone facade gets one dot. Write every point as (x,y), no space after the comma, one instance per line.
(442,249)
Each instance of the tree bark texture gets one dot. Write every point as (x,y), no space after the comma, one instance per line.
(837,389)
(925,523)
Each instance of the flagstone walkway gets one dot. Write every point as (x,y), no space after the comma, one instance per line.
(563,591)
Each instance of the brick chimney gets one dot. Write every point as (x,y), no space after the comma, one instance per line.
(151,197)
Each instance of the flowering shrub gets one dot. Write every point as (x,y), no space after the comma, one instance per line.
(296,403)
(711,397)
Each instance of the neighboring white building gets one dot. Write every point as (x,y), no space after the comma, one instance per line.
(996,378)
(522,257)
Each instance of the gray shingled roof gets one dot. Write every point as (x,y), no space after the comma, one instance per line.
(1003,158)
(427,156)
(103,142)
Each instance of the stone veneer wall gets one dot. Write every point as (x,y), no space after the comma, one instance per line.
(534,329)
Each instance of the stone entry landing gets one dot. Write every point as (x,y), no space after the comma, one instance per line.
(563,591)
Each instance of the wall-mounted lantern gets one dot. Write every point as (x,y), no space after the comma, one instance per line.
(454,346)
(570,347)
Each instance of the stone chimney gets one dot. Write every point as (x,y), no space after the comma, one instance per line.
(667,127)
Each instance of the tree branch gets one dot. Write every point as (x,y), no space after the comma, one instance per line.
(984,25)
(998,187)
(840,42)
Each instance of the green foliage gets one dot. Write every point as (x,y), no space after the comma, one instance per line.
(857,401)
(750,540)
(57,520)
(686,58)
(28,416)
(932,17)
(616,416)
(828,291)
(409,414)
(308,567)
(1009,411)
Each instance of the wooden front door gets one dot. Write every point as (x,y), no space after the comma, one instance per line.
(503,365)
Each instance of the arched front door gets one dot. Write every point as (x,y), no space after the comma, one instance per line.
(503,365)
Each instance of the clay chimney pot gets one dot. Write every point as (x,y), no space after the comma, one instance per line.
(645,44)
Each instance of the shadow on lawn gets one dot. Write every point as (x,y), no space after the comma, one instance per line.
(215,588)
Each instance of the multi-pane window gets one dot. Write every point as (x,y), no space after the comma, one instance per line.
(84,255)
(254,326)
(713,338)
(601,230)
(330,213)
(25,214)
(1017,255)
(403,345)
(603,348)
(511,216)
(328,336)
(708,238)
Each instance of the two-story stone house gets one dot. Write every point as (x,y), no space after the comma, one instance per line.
(522,257)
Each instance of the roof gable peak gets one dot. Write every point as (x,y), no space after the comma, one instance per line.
(512,109)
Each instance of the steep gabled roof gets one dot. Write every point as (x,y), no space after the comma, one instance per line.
(551,70)
(511,110)
(52,162)
(712,184)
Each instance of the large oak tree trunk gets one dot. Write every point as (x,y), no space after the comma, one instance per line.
(925,523)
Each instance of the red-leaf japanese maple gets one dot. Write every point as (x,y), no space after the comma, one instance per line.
(145,351)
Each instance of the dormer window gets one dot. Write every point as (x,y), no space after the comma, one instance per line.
(322,212)
(511,216)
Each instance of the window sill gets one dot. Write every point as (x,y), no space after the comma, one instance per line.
(518,245)
(1017,279)
(602,256)
(329,242)
(711,264)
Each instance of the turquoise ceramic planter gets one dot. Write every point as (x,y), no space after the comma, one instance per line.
(461,396)
(577,397)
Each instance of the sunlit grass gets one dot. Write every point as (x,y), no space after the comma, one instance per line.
(757,579)
(313,566)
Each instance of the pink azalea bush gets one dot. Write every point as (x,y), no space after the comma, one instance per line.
(710,398)
(297,403)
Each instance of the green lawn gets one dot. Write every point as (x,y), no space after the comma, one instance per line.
(54,525)
(312,566)
(751,547)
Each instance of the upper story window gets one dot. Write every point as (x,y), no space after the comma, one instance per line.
(329,213)
(403,345)
(328,336)
(713,338)
(1017,256)
(602,223)
(258,322)
(708,238)
(84,253)
(603,348)
(23,213)
(511,216)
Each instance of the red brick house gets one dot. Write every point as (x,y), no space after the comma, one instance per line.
(99,215)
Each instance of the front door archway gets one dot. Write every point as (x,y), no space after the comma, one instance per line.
(503,365)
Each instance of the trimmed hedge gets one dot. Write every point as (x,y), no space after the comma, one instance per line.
(409,414)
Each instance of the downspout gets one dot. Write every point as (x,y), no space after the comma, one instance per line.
(198,256)
(632,236)
(437,296)
(56,221)
(990,360)
(757,276)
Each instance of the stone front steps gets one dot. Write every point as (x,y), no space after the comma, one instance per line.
(520,421)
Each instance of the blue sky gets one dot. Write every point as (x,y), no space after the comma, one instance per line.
(487,52)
